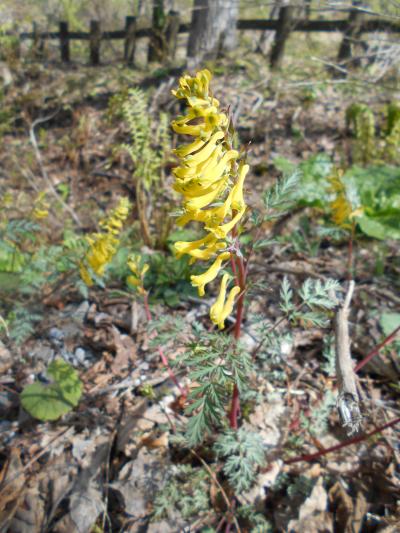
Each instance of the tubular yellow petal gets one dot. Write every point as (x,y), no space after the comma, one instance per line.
(183,151)
(217,309)
(205,152)
(201,201)
(219,169)
(144,269)
(194,101)
(222,231)
(237,196)
(228,307)
(201,281)
(207,253)
(185,247)
(194,131)
(189,171)
(195,187)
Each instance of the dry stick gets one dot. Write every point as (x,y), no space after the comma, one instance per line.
(372,353)
(354,440)
(214,478)
(348,401)
(43,170)
(35,458)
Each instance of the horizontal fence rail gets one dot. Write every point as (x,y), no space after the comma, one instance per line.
(368,26)
(163,40)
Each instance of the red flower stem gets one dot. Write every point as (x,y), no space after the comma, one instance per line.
(377,349)
(235,403)
(147,307)
(234,269)
(354,440)
(164,358)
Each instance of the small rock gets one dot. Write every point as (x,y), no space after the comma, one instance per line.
(55,334)
(82,357)
(144,366)
(81,312)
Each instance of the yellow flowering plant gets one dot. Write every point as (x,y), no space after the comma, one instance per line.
(210,177)
(343,212)
(103,245)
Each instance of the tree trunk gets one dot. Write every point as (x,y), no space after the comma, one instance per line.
(213,29)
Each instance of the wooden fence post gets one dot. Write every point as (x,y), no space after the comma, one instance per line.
(130,40)
(94,39)
(351,33)
(282,33)
(64,42)
(171,33)
(157,39)
(35,41)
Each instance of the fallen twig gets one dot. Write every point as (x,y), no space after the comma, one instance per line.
(43,171)
(354,440)
(348,400)
(377,349)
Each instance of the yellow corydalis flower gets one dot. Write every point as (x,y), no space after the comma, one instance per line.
(136,279)
(41,207)
(342,209)
(220,311)
(210,178)
(103,245)
(209,275)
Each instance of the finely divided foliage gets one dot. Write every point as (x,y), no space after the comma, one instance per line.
(243,451)
(215,363)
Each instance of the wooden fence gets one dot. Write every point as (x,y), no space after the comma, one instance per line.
(163,35)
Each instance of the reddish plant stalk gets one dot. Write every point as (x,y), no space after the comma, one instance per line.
(377,349)
(163,357)
(354,440)
(235,403)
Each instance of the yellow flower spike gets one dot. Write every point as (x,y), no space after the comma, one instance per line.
(201,281)
(217,308)
(228,307)
(103,245)
(340,206)
(144,269)
(211,184)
